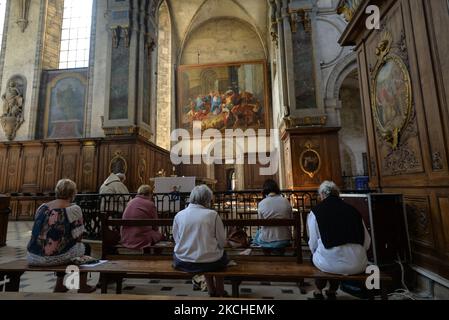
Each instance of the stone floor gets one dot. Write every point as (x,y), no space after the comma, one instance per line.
(19,234)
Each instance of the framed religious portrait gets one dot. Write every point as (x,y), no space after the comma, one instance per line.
(310,161)
(223,96)
(391,96)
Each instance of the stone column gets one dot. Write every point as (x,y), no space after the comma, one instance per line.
(22,57)
(130,23)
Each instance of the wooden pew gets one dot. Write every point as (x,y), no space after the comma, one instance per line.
(32,296)
(111,238)
(244,271)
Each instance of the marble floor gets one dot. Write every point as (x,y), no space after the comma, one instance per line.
(19,234)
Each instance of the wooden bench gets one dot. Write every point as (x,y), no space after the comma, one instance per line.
(111,238)
(252,267)
(244,271)
(32,296)
(111,270)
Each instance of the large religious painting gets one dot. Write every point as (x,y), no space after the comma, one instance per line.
(65,106)
(391,96)
(223,96)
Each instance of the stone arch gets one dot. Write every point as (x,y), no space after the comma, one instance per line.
(193,25)
(240,23)
(343,68)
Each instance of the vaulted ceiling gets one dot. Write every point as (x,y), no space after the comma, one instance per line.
(188,15)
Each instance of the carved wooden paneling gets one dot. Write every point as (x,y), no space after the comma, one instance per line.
(12,170)
(418,167)
(3,157)
(323,145)
(49,174)
(33,167)
(444,216)
(420,220)
(30,170)
(254,180)
(288,164)
(88,168)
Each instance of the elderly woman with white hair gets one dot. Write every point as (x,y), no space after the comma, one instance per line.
(57,233)
(339,239)
(200,238)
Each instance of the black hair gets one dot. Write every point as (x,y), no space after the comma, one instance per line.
(270,186)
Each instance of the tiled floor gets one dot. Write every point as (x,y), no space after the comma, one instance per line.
(19,234)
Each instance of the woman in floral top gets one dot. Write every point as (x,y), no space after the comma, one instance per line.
(57,233)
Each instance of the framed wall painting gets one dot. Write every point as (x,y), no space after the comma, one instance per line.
(224,96)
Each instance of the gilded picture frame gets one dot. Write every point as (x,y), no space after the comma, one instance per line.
(118,164)
(391,93)
(310,161)
(233,95)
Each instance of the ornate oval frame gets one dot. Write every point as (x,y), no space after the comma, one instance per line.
(118,158)
(392,136)
(311,174)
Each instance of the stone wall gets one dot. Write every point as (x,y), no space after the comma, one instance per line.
(52,36)
(22,56)
(352,133)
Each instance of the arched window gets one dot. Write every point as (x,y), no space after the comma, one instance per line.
(75,35)
(2,19)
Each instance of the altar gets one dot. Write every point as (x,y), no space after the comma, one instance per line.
(171,193)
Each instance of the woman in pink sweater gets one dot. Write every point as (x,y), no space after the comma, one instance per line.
(140,208)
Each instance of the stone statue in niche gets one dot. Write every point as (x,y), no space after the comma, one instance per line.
(13,102)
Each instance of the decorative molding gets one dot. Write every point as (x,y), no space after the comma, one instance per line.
(127,131)
(141,169)
(419,220)
(274,24)
(400,161)
(312,121)
(394,114)
(348,8)
(120,33)
(24,10)
(310,160)
(437,161)
(300,16)
(118,164)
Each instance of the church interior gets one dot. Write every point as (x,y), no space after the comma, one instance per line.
(228,93)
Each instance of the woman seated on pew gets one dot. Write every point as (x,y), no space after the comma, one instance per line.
(57,233)
(200,238)
(274,206)
(140,208)
(339,239)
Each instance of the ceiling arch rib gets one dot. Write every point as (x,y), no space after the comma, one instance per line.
(215,9)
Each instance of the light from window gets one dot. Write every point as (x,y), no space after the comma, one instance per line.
(75,37)
(2,19)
